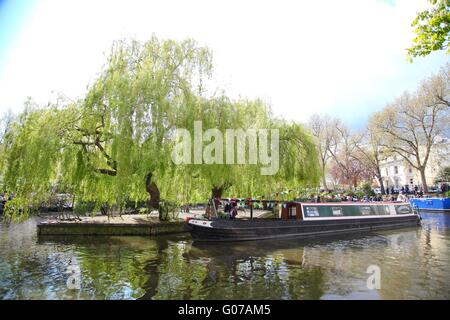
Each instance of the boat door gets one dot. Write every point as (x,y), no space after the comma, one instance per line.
(291,210)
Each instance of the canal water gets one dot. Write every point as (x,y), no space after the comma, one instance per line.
(413,263)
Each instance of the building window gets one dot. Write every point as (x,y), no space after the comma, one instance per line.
(387,171)
(410,170)
(396,170)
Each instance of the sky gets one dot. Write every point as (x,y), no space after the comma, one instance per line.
(343,58)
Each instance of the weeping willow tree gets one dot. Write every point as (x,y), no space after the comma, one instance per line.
(213,175)
(114,146)
(123,136)
(216,176)
(31,150)
(298,167)
(111,147)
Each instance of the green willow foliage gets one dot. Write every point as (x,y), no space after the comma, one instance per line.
(31,150)
(115,144)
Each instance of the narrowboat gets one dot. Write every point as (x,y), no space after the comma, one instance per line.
(300,219)
(431,204)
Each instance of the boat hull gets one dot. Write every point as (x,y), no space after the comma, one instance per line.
(247,230)
(431,204)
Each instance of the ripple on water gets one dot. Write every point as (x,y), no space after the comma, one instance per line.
(414,264)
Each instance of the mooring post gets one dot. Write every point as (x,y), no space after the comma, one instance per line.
(251,210)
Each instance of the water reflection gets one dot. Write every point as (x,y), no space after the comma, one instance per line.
(414,264)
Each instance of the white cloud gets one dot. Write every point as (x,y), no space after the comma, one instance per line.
(302,56)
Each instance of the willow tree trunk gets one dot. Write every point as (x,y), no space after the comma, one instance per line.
(153,191)
(217,192)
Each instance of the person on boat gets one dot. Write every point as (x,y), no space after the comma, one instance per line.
(402,197)
(208,212)
(233,211)
(217,202)
(227,207)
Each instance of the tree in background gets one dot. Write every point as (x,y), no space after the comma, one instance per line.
(409,126)
(432,27)
(323,130)
(5,122)
(355,172)
(443,175)
(343,149)
(369,152)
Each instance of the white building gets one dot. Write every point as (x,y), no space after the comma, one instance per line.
(397,172)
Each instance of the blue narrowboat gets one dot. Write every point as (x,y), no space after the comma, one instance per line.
(431,204)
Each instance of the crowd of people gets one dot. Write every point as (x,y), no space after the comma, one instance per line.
(230,207)
(391,194)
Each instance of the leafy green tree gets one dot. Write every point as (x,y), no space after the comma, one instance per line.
(114,146)
(31,151)
(432,27)
(128,114)
(297,164)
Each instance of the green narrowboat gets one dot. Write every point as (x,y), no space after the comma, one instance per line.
(300,219)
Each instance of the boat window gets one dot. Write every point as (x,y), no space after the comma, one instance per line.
(312,212)
(365,211)
(403,209)
(293,211)
(337,211)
